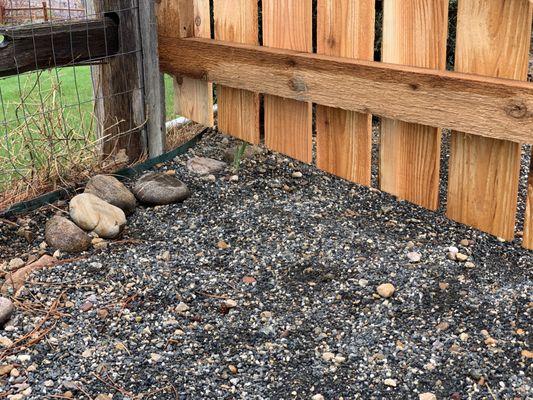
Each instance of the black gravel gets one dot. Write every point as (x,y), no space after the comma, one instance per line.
(316,248)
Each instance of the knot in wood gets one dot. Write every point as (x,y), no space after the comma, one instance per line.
(297,84)
(517,109)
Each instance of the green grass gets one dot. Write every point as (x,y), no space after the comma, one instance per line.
(47,121)
(73,86)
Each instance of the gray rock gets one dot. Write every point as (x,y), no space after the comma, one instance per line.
(156,188)
(91,213)
(110,189)
(63,234)
(205,166)
(6,309)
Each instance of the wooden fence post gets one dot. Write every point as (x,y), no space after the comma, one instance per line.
(117,85)
(45,11)
(2,12)
(153,81)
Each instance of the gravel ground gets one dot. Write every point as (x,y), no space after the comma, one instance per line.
(268,291)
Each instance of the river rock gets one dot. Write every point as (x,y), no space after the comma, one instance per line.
(91,213)
(205,166)
(110,189)
(156,188)
(63,234)
(6,309)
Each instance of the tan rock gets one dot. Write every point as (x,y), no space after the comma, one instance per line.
(461,257)
(527,353)
(15,263)
(427,396)
(390,382)
(91,213)
(386,290)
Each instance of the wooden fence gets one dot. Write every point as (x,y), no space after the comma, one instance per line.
(485,101)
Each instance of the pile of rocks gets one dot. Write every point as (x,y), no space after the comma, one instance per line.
(100,212)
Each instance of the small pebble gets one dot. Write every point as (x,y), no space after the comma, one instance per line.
(390,382)
(297,174)
(230,303)
(461,257)
(182,307)
(386,290)
(414,257)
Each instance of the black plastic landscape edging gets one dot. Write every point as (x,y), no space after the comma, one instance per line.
(122,174)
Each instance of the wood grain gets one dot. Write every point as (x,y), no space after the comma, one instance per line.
(344,138)
(414,33)
(492,39)
(193,98)
(238,110)
(287,24)
(486,106)
(528,220)
(154,87)
(117,87)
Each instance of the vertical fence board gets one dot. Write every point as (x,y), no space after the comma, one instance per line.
(492,39)
(238,110)
(288,24)
(344,138)
(193,98)
(414,33)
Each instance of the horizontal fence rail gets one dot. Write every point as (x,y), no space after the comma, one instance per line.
(485,102)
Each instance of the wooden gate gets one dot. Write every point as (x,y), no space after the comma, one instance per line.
(485,102)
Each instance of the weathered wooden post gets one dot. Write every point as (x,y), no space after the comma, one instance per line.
(127,88)
(2,12)
(154,85)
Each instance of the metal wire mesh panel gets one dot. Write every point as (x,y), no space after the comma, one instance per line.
(71,85)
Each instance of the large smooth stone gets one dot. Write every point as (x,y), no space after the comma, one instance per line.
(6,309)
(205,166)
(63,234)
(91,213)
(155,188)
(110,189)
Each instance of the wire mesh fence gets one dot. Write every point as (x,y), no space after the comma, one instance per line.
(71,89)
